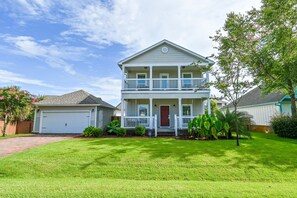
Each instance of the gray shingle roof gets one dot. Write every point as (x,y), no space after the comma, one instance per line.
(79,97)
(255,96)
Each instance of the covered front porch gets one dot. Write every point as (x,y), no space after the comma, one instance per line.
(162,115)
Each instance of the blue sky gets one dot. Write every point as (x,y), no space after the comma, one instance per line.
(53,47)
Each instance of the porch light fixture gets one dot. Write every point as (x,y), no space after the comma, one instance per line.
(93,110)
(174,105)
(155,105)
(183,67)
(145,67)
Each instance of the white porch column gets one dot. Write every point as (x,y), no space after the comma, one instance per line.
(34,123)
(207,76)
(151,113)
(208,105)
(179,77)
(96,109)
(123,77)
(151,77)
(122,112)
(180,112)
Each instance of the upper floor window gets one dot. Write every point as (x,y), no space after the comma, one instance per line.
(187,80)
(141,80)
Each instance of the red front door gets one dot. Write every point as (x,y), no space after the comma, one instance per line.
(164,115)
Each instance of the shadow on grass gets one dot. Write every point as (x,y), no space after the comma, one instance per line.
(272,153)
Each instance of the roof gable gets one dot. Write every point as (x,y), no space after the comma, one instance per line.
(154,54)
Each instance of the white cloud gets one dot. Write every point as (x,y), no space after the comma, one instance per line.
(108,88)
(8,77)
(138,24)
(54,55)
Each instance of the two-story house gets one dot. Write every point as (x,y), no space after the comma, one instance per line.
(161,89)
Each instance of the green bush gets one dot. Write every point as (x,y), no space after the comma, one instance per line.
(96,132)
(284,126)
(92,131)
(140,130)
(87,131)
(121,131)
(112,126)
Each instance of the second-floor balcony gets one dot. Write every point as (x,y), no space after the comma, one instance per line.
(164,84)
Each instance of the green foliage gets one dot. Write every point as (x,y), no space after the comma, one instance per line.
(121,131)
(229,126)
(213,106)
(284,126)
(140,130)
(272,46)
(112,126)
(15,105)
(219,125)
(92,131)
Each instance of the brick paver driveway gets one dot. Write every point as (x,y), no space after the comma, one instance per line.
(17,144)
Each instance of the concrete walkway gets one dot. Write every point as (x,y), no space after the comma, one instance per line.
(18,144)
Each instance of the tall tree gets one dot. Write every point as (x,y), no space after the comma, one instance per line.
(14,104)
(232,76)
(272,47)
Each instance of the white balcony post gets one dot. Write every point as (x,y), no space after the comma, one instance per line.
(208,105)
(151,77)
(179,79)
(175,124)
(122,112)
(151,113)
(34,123)
(123,77)
(180,112)
(156,126)
(207,76)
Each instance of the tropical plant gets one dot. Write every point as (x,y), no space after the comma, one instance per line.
(140,130)
(206,126)
(228,118)
(92,131)
(15,105)
(112,126)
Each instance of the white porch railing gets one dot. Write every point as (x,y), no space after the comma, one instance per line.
(181,122)
(166,84)
(133,121)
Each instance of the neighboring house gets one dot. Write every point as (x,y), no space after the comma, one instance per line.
(161,90)
(221,103)
(263,107)
(117,112)
(71,113)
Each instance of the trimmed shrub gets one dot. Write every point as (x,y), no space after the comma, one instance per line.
(96,132)
(87,131)
(92,131)
(140,130)
(121,131)
(284,126)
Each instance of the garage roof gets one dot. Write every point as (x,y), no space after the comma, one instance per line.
(76,98)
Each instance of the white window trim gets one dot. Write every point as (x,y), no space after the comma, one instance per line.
(161,79)
(148,113)
(191,109)
(145,79)
(190,79)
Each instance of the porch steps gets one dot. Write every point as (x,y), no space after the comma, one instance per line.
(166,134)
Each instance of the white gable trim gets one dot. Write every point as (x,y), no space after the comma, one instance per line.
(169,43)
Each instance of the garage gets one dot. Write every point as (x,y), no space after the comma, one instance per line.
(65,122)
(71,113)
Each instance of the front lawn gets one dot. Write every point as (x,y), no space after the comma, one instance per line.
(129,167)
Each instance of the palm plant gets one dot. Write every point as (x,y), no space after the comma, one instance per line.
(229,117)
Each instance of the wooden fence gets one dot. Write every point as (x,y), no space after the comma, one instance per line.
(18,127)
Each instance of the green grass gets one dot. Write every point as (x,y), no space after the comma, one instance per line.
(14,135)
(138,167)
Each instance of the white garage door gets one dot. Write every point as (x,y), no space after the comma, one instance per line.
(65,122)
